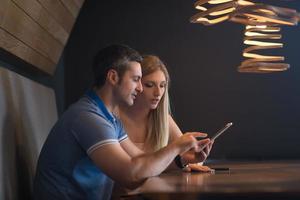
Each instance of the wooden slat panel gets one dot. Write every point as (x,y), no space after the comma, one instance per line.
(79,3)
(16,47)
(71,6)
(25,29)
(60,13)
(37,30)
(43,18)
(3,9)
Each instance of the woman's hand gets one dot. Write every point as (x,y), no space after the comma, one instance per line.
(197,167)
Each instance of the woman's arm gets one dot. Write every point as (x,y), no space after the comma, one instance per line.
(174,130)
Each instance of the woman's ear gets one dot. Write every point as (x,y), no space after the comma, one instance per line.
(112,77)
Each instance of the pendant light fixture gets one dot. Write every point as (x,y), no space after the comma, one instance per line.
(262,29)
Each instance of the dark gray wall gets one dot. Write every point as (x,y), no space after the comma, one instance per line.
(206,90)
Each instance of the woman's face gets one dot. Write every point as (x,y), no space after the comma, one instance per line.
(154,87)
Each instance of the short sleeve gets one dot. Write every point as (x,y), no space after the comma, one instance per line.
(122,135)
(92,131)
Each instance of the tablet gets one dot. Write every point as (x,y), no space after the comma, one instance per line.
(218,133)
(222,130)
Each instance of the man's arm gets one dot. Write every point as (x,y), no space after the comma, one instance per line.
(131,149)
(129,171)
(190,156)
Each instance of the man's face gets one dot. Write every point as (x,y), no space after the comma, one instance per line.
(130,84)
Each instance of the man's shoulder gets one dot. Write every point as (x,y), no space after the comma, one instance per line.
(84,103)
(83,107)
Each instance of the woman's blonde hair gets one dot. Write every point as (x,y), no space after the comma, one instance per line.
(157,135)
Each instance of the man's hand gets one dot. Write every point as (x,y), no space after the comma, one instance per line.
(193,156)
(188,141)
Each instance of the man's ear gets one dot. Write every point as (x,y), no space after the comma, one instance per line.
(112,77)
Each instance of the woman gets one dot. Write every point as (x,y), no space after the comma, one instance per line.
(148,122)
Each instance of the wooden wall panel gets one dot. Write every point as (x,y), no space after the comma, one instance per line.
(43,18)
(71,6)
(37,30)
(79,3)
(25,29)
(3,8)
(60,13)
(21,50)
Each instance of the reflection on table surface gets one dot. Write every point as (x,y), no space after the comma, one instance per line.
(268,179)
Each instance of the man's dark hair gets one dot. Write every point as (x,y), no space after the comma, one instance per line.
(113,57)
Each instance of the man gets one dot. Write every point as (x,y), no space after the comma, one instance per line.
(88,148)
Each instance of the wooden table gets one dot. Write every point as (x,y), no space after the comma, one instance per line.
(244,180)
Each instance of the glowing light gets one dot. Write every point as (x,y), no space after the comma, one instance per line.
(261,29)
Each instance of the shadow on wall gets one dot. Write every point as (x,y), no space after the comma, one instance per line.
(8,150)
(17,164)
(17,176)
(24,127)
